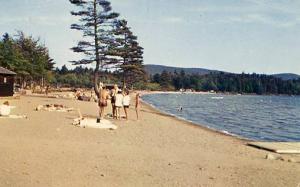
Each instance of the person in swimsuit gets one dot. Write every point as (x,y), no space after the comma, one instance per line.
(137,105)
(103,101)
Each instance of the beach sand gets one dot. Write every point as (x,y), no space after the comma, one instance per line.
(159,150)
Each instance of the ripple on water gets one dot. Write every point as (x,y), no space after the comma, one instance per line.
(271,118)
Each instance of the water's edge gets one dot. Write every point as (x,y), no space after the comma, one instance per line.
(194,124)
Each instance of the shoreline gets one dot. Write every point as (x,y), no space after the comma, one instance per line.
(214,93)
(201,126)
(156,100)
(59,95)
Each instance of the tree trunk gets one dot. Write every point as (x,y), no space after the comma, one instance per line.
(96,72)
(124,81)
(124,75)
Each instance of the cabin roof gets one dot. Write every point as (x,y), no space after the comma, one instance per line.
(4,71)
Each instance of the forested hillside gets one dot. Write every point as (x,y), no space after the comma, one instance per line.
(226,82)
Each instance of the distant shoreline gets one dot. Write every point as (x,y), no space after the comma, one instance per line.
(212,93)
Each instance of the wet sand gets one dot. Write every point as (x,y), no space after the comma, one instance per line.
(158,150)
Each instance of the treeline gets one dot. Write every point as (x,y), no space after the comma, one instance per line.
(226,82)
(83,77)
(78,77)
(27,57)
(30,59)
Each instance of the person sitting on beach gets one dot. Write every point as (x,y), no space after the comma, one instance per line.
(126,103)
(119,103)
(137,104)
(78,94)
(5,109)
(102,100)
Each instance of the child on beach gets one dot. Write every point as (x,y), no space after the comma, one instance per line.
(126,103)
(119,103)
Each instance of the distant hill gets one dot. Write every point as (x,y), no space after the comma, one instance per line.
(287,76)
(154,69)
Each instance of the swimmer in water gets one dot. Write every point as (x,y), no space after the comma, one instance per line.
(180,109)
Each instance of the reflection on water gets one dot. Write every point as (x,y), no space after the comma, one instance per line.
(267,118)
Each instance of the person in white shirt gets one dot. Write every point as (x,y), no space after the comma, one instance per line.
(126,103)
(119,103)
(5,109)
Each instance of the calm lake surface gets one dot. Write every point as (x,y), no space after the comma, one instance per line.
(264,118)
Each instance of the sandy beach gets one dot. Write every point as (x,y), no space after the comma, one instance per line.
(158,150)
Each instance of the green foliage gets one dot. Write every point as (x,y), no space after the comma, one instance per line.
(165,81)
(37,56)
(147,86)
(25,56)
(83,77)
(10,53)
(234,83)
(78,77)
(130,52)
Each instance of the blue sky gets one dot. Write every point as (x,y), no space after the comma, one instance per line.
(260,36)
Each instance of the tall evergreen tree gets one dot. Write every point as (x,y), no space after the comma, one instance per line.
(96,22)
(165,80)
(131,53)
(64,69)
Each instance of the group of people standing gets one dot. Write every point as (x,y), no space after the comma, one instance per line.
(119,99)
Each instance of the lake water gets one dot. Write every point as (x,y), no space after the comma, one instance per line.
(263,118)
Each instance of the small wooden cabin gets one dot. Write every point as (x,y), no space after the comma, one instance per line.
(6,82)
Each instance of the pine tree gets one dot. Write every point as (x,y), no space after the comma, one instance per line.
(96,23)
(165,80)
(131,53)
(64,70)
